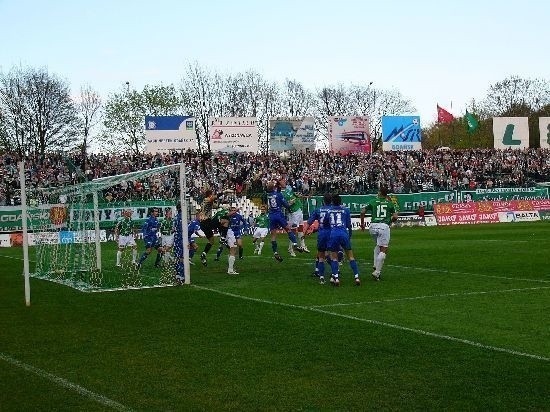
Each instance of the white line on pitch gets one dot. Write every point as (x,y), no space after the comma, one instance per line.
(380,323)
(452,272)
(66,384)
(444,295)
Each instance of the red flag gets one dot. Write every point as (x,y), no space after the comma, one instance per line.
(443,116)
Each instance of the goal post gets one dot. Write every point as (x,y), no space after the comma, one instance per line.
(71,230)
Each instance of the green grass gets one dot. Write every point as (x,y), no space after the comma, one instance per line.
(460,321)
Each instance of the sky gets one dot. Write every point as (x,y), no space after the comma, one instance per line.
(446,52)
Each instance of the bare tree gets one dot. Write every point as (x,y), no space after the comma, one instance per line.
(89,110)
(513,93)
(296,100)
(39,112)
(200,96)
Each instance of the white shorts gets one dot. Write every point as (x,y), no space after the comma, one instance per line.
(381,233)
(230,238)
(296,219)
(168,240)
(128,240)
(260,232)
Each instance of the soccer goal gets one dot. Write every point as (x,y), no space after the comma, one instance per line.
(88,236)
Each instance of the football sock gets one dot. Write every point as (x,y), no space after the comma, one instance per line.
(240,252)
(207,247)
(274,246)
(321,268)
(380,261)
(334,267)
(376,252)
(118,255)
(292,237)
(134,255)
(354,268)
(260,247)
(231,261)
(340,255)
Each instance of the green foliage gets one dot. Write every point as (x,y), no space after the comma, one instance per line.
(458,322)
(125,112)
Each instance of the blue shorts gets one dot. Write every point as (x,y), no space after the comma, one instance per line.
(152,243)
(323,237)
(338,239)
(277,221)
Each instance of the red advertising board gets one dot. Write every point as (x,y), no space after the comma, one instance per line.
(472,212)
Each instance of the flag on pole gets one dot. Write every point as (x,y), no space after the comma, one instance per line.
(443,116)
(473,124)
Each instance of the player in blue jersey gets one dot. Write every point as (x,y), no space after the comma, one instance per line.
(234,237)
(150,236)
(276,202)
(339,219)
(323,235)
(193,227)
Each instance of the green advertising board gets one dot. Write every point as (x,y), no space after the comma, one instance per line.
(10,216)
(406,202)
(504,193)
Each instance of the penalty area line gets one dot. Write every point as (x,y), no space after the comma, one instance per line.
(380,323)
(64,383)
(443,295)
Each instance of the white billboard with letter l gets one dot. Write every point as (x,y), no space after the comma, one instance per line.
(511,132)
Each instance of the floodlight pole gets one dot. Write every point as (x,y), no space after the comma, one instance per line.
(184,224)
(25,234)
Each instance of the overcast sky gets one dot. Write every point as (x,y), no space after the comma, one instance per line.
(431,51)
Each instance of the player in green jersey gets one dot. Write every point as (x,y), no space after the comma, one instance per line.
(125,236)
(383,215)
(295,215)
(261,229)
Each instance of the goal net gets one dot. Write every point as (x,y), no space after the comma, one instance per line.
(89,236)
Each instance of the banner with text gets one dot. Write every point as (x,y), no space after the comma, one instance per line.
(405,202)
(164,134)
(401,133)
(504,193)
(109,213)
(233,134)
(489,211)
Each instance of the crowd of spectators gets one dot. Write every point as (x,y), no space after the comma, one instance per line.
(309,172)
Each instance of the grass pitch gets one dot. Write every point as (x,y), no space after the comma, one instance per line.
(459,322)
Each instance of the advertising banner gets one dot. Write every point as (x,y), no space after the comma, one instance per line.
(291,133)
(511,132)
(464,213)
(401,133)
(405,202)
(164,134)
(489,211)
(544,128)
(233,134)
(349,134)
(504,193)
(109,213)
